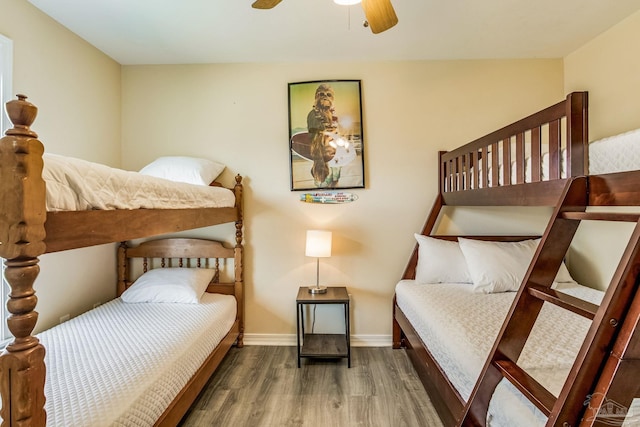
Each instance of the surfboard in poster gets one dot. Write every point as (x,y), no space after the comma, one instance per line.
(328,197)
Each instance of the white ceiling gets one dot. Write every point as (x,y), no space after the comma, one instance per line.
(212,31)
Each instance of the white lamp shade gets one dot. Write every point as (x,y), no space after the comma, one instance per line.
(318,243)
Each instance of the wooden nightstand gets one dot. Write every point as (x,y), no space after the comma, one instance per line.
(328,346)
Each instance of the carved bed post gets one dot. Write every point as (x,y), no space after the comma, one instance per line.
(237,262)
(22,233)
(123,269)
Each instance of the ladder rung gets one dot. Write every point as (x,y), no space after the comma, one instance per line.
(568,302)
(602,216)
(532,389)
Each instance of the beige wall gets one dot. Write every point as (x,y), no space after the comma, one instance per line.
(609,68)
(237,114)
(77,90)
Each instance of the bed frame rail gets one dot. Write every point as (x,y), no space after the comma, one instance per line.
(502,160)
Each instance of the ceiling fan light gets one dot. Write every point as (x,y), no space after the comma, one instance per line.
(346,2)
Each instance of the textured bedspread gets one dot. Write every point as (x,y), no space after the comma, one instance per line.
(122,364)
(75,184)
(460,326)
(616,153)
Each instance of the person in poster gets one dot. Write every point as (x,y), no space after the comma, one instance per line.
(325,141)
(322,121)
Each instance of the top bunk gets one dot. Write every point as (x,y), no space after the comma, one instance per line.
(525,163)
(29,226)
(531,161)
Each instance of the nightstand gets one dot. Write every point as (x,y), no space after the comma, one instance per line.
(328,346)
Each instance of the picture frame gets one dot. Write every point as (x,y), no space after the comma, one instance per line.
(326,141)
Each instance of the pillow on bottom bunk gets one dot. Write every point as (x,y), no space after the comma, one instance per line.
(170,285)
(501,266)
(440,261)
(491,266)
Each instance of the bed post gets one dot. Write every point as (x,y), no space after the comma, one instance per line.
(123,269)
(22,233)
(577,112)
(238,257)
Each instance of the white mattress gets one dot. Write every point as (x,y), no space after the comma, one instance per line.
(122,364)
(460,327)
(617,153)
(75,184)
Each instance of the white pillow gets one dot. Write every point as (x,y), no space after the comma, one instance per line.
(501,266)
(440,261)
(182,285)
(497,266)
(191,170)
(563,275)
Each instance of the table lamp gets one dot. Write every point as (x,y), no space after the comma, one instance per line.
(318,246)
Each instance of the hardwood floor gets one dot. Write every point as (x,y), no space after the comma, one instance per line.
(262,386)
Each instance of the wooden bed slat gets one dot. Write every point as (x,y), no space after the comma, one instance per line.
(495,166)
(554,149)
(71,230)
(536,154)
(485,167)
(520,158)
(602,216)
(506,162)
(527,385)
(568,302)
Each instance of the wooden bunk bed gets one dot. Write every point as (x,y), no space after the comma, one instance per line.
(512,167)
(27,231)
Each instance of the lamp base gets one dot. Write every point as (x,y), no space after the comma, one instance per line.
(317,289)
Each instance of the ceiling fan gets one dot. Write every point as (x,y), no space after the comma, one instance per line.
(379,13)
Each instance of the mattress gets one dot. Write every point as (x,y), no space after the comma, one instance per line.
(122,364)
(616,153)
(460,327)
(75,184)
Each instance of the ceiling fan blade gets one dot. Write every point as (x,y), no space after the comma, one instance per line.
(380,15)
(265,4)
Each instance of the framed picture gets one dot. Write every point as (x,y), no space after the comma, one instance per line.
(326,145)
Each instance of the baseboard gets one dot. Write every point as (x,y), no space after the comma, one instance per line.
(290,340)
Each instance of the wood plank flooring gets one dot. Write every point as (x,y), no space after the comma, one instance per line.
(260,386)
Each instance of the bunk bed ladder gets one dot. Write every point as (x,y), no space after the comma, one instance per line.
(567,409)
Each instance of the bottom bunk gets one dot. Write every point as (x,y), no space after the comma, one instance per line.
(142,358)
(461,326)
(123,364)
(449,329)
